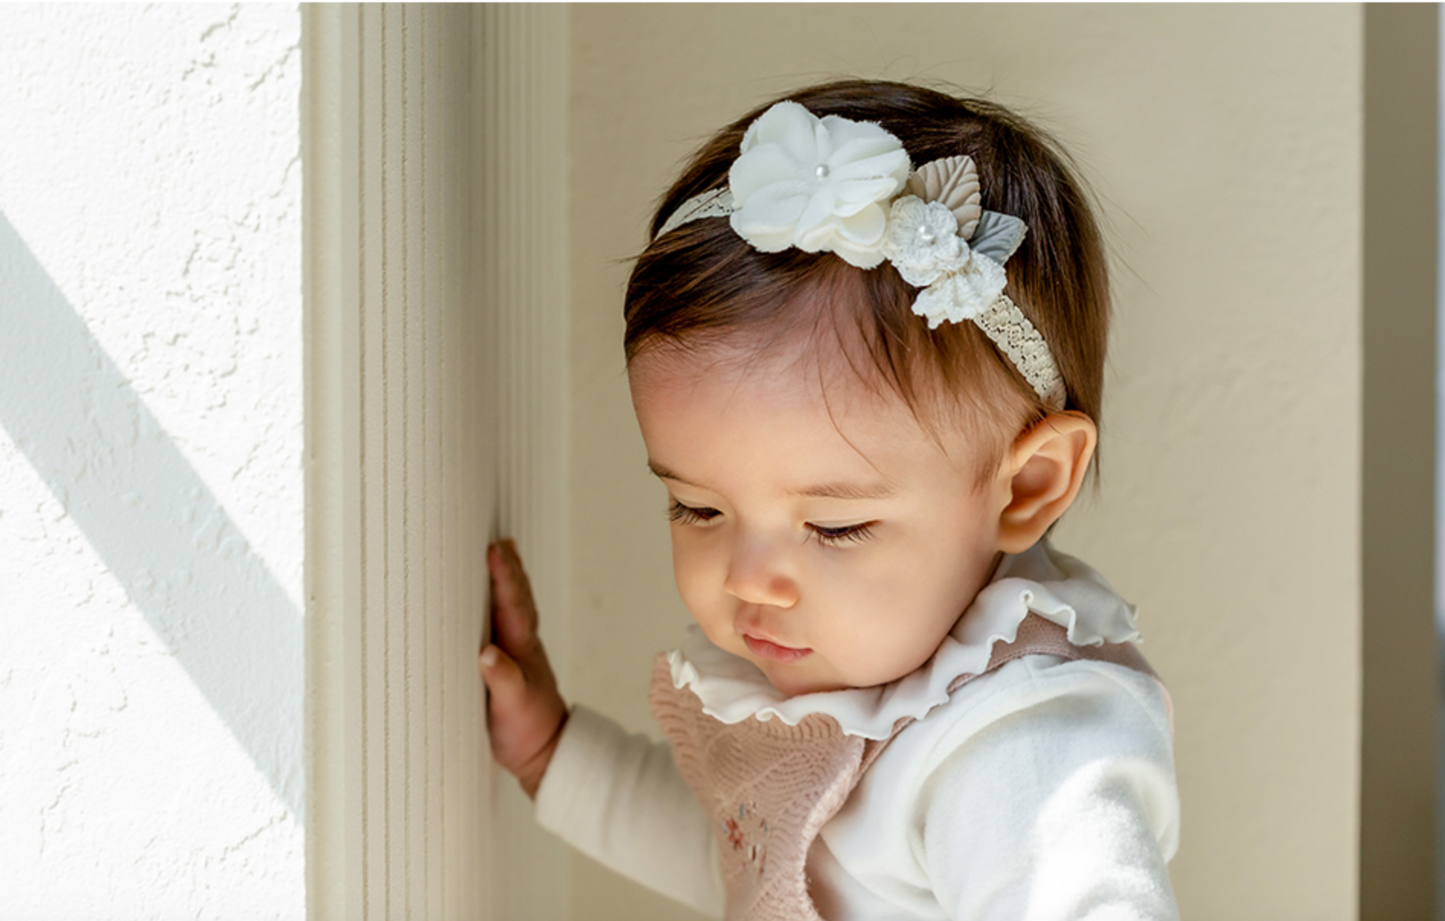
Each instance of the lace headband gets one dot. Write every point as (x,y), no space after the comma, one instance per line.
(833,185)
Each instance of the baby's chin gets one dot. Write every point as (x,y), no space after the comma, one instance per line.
(811,675)
(795,680)
(798,679)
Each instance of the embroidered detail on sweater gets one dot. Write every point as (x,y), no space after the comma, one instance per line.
(748,832)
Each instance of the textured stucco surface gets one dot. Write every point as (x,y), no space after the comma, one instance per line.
(151,481)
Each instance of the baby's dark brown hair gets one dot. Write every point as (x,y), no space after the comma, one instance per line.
(702,283)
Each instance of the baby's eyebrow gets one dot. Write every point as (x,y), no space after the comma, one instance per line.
(844,490)
(838,490)
(663,473)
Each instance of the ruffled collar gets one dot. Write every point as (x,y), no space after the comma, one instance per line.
(1051,584)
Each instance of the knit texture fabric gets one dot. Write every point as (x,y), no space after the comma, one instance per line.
(770,787)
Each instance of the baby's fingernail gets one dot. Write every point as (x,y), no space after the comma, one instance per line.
(489,657)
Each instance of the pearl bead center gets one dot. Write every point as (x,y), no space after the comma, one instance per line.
(821,171)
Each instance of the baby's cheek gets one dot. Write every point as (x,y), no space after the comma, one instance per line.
(699,558)
(684,564)
(693,586)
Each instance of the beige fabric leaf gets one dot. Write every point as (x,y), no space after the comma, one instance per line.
(952,181)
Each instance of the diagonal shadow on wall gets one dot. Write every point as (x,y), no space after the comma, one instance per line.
(151,519)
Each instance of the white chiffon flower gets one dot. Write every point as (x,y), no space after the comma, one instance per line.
(922,241)
(820,185)
(962,294)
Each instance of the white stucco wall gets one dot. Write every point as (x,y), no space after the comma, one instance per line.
(151,463)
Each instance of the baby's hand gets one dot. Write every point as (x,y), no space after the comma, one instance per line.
(525,712)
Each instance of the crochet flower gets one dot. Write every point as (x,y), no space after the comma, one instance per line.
(922,241)
(818,184)
(962,294)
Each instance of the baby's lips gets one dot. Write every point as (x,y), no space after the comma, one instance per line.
(774,652)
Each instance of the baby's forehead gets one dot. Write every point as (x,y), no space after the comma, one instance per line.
(832,367)
(786,361)
(787,400)
(842,385)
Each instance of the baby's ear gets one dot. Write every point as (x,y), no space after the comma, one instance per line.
(1046,467)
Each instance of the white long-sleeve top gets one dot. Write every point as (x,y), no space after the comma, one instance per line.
(1042,790)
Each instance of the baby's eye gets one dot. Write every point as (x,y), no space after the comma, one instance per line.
(687,514)
(855,533)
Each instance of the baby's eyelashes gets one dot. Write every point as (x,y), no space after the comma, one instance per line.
(687,514)
(852,533)
(828,535)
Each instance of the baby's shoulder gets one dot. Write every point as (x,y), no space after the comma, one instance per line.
(1041,706)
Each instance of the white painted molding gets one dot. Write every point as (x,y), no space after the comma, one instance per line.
(521,88)
(401,470)
(435,169)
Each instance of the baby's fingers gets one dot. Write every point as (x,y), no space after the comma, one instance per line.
(510,720)
(523,719)
(515,613)
(505,682)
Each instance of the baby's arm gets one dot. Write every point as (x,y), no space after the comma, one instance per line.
(614,796)
(619,799)
(1063,806)
(525,711)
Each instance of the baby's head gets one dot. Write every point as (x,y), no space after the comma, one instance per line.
(813,363)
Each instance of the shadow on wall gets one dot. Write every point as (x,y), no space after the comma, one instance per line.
(151,519)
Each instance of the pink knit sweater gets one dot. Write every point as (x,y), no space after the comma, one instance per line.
(770,787)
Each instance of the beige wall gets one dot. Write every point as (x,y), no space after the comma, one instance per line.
(1225,144)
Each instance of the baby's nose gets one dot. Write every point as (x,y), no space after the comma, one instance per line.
(760,574)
